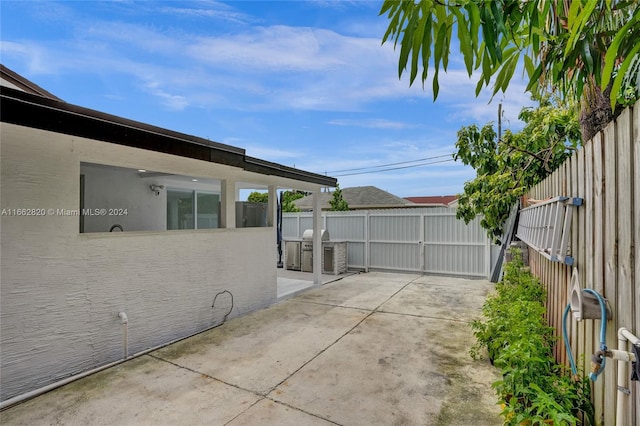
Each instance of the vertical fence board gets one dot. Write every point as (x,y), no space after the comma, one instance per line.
(580,259)
(611,263)
(591,343)
(636,223)
(625,231)
(625,214)
(574,244)
(565,271)
(554,273)
(597,258)
(558,268)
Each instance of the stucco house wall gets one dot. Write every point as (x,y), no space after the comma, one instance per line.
(62,287)
(61,291)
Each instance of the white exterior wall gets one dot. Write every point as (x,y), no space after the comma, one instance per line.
(61,291)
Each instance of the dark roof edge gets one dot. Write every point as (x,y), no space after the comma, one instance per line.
(27,85)
(43,113)
(262,166)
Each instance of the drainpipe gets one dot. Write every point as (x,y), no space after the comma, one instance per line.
(125,333)
(622,402)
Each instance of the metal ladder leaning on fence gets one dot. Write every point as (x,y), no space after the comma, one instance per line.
(545,227)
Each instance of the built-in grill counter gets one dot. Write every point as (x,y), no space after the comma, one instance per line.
(299,254)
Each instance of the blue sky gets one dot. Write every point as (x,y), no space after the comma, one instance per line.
(305,84)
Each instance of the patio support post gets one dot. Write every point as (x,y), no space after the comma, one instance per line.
(228,204)
(317,241)
(272,206)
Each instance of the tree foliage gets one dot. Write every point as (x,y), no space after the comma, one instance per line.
(288,198)
(338,203)
(570,46)
(258,197)
(507,168)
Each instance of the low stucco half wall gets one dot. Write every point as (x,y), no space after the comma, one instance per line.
(61,291)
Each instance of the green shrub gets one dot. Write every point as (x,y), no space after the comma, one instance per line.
(533,388)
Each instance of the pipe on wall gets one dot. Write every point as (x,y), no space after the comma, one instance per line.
(21,398)
(622,401)
(125,333)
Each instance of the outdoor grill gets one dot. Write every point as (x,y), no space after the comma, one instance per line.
(307,248)
(299,254)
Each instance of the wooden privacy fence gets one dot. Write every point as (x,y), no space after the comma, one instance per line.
(605,246)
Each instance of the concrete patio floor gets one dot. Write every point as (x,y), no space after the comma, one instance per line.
(369,349)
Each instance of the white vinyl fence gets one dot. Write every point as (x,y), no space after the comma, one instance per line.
(424,240)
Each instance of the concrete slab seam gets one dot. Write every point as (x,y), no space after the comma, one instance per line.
(423,316)
(245,410)
(394,294)
(340,337)
(302,411)
(332,305)
(206,375)
(258,394)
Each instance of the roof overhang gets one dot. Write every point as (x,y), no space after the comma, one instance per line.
(29,110)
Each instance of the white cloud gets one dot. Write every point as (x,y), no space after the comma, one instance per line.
(215,10)
(259,68)
(174,102)
(371,123)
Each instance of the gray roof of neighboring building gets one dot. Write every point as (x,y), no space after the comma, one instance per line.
(358,197)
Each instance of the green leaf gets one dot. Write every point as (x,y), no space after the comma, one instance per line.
(587,59)
(474,21)
(577,23)
(386,5)
(446,44)
(440,37)
(612,51)
(426,48)
(416,49)
(506,71)
(479,86)
(573,12)
(436,85)
(510,69)
(488,34)
(464,37)
(617,83)
(496,9)
(407,43)
(528,65)
(486,67)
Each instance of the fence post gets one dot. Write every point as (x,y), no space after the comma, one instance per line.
(367,242)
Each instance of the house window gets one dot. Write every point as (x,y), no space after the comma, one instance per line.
(192,209)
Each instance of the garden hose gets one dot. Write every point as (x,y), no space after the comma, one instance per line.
(572,361)
(598,360)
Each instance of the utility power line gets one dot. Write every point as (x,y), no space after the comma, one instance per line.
(390,164)
(395,168)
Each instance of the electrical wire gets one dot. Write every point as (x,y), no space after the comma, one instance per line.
(230,309)
(395,168)
(390,164)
